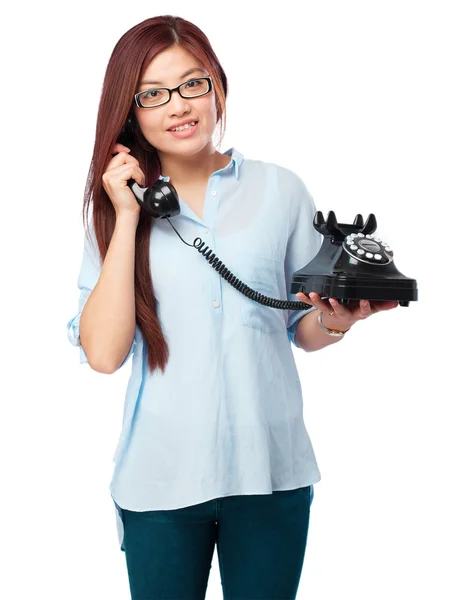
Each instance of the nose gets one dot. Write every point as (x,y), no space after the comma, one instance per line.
(177,104)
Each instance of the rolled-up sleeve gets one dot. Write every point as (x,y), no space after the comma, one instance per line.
(303,244)
(87,279)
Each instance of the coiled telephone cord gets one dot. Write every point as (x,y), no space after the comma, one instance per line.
(219,266)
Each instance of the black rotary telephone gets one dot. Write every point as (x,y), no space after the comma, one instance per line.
(351,264)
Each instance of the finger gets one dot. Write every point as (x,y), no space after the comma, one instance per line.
(365,309)
(123,157)
(123,173)
(120,159)
(338,308)
(385,304)
(323,305)
(119,148)
(142,181)
(303,298)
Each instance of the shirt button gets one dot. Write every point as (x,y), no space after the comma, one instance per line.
(214,193)
(206,231)
(215,304)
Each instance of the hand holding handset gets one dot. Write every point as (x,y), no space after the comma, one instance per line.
(160,200)
(118,171)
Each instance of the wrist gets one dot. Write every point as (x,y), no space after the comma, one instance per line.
(334,323)
(127,216)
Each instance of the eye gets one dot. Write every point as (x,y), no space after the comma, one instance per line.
(151,94)
(196,83)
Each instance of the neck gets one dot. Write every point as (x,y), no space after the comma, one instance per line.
(193,169)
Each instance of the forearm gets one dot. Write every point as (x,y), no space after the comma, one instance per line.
(107,323)
(310,336)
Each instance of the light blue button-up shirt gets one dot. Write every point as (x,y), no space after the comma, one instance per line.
(226,416)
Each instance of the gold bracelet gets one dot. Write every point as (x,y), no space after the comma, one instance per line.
(334,332)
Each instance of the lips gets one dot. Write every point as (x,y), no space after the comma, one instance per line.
(185,133)
(183,123)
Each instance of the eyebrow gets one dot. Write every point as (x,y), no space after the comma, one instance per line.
(185,74)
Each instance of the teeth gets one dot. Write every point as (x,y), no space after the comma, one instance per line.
(187,126)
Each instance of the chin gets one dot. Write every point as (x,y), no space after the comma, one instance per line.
(187,148)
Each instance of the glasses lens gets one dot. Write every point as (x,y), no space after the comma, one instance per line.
(195,87)
(154,97)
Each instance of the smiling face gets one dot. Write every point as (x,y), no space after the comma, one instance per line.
(169,69)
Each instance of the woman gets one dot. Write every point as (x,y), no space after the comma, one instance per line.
(213,448)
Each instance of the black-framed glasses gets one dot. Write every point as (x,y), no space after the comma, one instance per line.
(188,89)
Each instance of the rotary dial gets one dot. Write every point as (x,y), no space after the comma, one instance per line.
(368,248)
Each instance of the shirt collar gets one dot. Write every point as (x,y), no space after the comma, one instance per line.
(236,162)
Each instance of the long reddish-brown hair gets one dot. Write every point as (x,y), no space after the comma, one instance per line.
(129,59)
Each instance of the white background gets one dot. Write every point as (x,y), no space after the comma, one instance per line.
(377,120)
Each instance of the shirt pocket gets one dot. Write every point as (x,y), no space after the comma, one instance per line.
(265,275)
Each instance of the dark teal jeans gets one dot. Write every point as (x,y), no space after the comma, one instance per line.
(261,542)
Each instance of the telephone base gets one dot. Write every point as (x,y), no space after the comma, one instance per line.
(349,290)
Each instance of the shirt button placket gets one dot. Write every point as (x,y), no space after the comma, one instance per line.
(215,303)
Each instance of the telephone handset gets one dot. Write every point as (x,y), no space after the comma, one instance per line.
(346,271)
(160,199)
